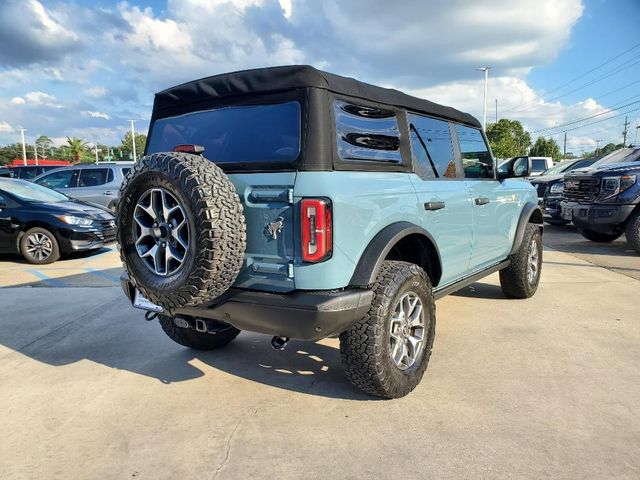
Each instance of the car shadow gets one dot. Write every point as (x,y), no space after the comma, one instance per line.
(100,325)
(566,239)
(481,290)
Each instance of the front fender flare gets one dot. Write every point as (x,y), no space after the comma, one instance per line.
(531,213)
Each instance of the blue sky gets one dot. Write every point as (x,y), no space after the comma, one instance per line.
(84,68)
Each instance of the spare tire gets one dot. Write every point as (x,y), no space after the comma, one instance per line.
(181,229)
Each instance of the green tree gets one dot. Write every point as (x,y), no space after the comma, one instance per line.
(76,148)
(126,148)
(10,153)
(43,144)
(508,138)
(546,148)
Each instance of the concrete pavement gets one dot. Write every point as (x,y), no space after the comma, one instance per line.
(546,387)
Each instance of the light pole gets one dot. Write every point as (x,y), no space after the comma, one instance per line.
(484,100)
(133,139)
(24,146)
(635,142)
(96,150)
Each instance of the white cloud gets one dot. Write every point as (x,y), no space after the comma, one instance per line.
(6,128)
(40,98)
(17,100)
(96,92)
(96,114)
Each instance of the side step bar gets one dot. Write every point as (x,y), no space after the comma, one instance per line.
(465,282)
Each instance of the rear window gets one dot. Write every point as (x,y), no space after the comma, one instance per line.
(93,177)
(242,134)
(538,165)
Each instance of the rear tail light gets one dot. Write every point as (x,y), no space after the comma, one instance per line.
(317,239)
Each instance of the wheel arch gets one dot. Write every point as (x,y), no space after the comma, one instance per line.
(398,241)
(531,213)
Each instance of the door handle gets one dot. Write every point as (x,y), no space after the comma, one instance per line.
(434,205)
(482,201)
(108,192)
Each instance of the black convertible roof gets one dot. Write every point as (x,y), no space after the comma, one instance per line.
(276,79)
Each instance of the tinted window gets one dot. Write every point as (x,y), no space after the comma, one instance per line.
(367,133)
(92,177)
(28,173)
(431,147)
(248,134)
(125,171)
(110,176)
(476,159)
(61,179)
(581,164)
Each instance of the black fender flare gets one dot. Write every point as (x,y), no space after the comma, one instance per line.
(371,259)
(531,213)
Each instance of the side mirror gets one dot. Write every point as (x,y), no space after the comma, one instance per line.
(518,167)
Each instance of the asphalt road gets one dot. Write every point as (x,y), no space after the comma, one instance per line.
(546,387)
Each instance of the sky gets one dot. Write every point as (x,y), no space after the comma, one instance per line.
(85,68)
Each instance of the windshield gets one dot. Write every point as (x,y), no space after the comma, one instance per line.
(620,156)
(558,168)
(243,134)
(31,192)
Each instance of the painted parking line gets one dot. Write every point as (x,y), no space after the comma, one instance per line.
(102,274)
(54,282)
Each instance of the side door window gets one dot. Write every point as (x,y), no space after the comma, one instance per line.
(431,147)
(93,177)
(477,161)
(62,179)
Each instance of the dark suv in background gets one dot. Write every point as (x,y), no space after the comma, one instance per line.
(604,201)
(550,186)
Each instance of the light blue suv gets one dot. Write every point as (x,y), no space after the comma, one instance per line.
(301,204)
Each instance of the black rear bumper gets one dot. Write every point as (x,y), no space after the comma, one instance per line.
(304,315)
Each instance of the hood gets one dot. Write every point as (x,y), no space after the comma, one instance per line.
(76,208)
(546,178)
(619,167)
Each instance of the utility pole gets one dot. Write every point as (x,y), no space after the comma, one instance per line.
(133,139)
(564,155)
(96,149)
(598,140)
(635,142)
(35,150)
(24,147)
(484,101)
(496,110)
(624,133)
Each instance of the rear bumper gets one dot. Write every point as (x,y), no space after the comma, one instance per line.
(602,218)
(304,315)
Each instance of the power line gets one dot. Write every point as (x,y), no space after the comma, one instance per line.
(566,124)
(597,121)
(579,76)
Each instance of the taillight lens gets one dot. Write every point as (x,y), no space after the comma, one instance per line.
(317,240)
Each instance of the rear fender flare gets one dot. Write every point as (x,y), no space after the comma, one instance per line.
(379,247)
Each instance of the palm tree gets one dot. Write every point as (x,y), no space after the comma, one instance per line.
(76,148)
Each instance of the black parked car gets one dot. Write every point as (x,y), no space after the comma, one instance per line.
(42,224)
(550,186)
(29,172)
(604,201)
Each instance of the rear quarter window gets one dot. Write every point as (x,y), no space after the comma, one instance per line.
(366,133)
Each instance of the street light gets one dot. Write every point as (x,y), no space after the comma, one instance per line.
(484,100)
(133,139)
(24,146)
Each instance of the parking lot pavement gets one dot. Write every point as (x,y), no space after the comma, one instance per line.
(616,255)
(546,387)
(100,268)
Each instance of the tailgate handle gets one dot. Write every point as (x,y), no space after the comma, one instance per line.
(434,205)
(482,201)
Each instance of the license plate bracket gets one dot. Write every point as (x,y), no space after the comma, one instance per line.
(143,303)
(567,213)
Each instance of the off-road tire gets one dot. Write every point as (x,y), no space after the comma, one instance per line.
(514,280)
(365,347)
(599,237)
(198,340)
(558,222)
(55,248)
(216,224)
(632,230)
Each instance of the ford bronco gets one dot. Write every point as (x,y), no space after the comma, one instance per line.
(300,204)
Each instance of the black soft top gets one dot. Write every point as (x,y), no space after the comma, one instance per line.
(276,79)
